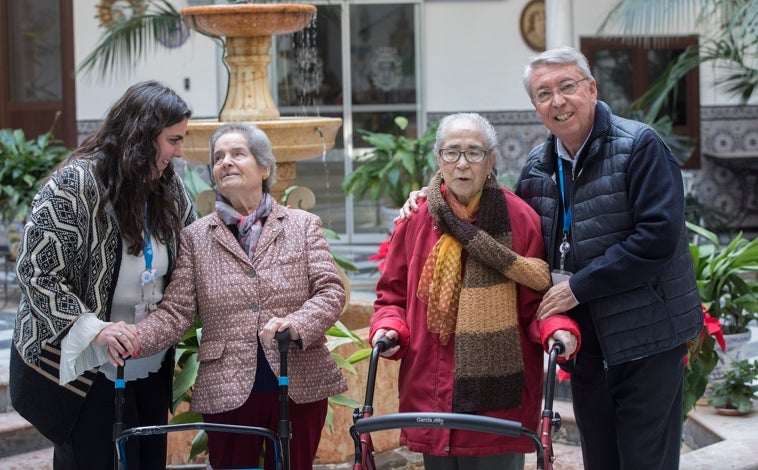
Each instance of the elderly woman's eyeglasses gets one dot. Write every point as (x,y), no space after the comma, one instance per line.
(471,155)
(566,87)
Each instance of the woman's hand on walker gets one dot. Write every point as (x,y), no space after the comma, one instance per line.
(568,340)
(391,334)
(121,339)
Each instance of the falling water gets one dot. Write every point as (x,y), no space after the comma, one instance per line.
(309,78)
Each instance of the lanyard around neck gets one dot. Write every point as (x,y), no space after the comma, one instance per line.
(148,251)
(566,203)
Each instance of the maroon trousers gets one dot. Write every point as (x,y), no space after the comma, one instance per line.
(227,450)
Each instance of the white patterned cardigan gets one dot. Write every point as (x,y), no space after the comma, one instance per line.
(68,264)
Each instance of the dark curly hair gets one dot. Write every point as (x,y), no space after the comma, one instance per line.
(124,149)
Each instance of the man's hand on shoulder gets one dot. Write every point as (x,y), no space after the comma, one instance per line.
(411,205)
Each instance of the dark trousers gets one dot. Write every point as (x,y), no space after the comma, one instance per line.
(630,416)
(228,450)
(505,461)
(91,443)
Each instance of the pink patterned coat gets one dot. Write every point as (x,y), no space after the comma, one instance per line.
(292,274)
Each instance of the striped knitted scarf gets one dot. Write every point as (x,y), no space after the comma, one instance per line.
(489,367)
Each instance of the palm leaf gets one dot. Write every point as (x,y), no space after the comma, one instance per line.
(728,40)
(640,18)
(119,50)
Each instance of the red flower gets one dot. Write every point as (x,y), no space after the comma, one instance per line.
(714,329)
(380,255)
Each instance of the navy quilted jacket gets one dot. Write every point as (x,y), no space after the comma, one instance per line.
(632,263)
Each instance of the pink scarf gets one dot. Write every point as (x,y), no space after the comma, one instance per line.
(249,227)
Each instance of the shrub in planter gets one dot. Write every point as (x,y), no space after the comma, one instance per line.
(395,165)
(724,278)
(24,164)
(736,391)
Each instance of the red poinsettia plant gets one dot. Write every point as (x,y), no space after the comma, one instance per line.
(700,361)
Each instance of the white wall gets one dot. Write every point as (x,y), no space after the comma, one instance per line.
(474,55)
(495,54)
(198,59)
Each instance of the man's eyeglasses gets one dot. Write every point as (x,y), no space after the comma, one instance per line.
(471,155)
(566,87)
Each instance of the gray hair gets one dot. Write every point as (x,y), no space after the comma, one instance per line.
(257,142)
(490,134)
(559,56)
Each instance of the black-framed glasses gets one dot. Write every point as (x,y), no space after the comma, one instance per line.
(566,88)
(471,155)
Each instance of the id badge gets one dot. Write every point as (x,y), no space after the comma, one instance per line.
(140,312)
(559,275)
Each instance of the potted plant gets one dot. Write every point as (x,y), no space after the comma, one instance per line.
(726,278)
(735,394)
(24,164)
(395,165)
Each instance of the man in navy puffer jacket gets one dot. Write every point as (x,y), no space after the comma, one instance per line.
(610,197)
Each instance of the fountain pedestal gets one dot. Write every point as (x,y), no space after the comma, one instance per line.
(247,30)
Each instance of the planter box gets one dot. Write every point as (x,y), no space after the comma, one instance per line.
(336,445)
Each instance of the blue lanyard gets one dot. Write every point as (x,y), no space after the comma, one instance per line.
(148,252)
(566,206)
(149,274)
(148,246)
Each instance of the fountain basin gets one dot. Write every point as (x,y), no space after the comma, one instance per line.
(292,138)
(248,20)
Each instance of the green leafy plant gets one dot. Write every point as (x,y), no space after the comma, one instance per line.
(395,166)
(121,47)
(724,278)
(24,164)
(736,391)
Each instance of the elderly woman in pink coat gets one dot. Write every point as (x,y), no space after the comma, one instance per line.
(248,270)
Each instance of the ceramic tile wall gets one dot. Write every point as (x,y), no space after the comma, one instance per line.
(723,129)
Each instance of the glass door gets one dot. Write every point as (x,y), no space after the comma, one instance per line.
(360,62)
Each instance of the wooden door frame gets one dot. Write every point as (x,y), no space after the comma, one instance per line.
(65,128)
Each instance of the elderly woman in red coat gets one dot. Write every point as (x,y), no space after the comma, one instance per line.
(460,288)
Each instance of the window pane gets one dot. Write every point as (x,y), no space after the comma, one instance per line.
(613,72)
(309,82)
(35,59)
(383,54)
(324,177)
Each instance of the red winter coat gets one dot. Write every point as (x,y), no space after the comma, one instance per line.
(426,377)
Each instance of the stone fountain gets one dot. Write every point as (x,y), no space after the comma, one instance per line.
(247,30)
